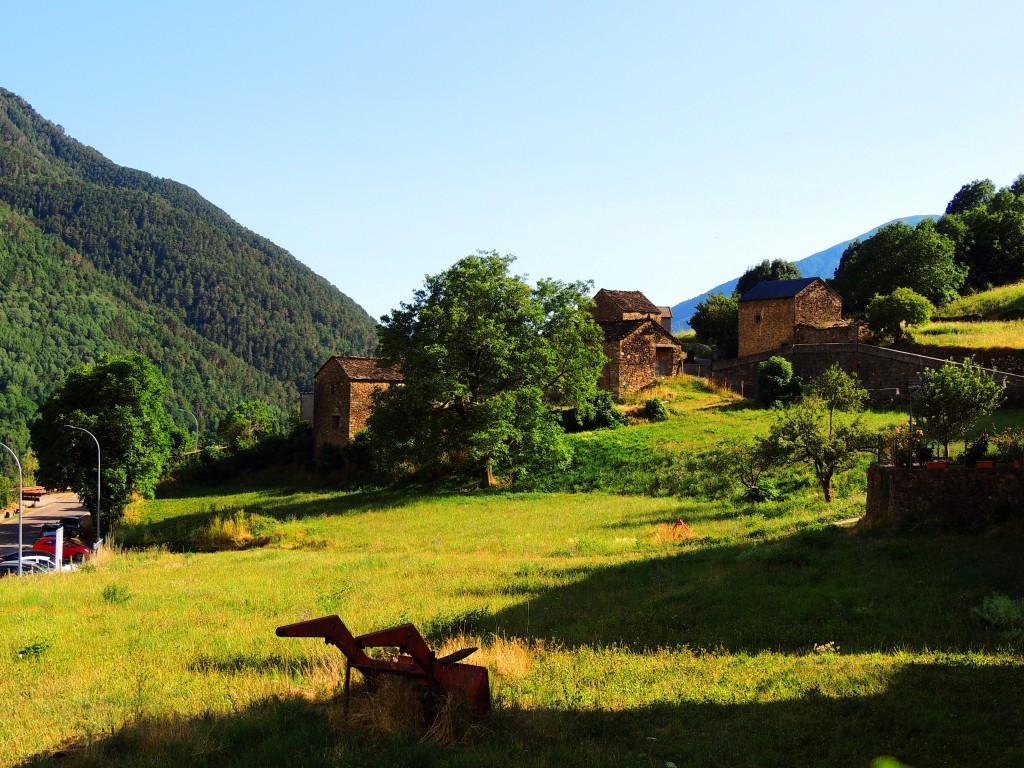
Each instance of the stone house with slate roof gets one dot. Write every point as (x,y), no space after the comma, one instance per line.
(342,391)
(638,346)
(778,312)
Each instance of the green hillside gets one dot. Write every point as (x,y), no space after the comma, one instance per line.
(57,311)
(133,262)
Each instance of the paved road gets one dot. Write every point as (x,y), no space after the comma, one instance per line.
(51,507)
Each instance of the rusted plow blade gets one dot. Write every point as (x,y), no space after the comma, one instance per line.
(415,660)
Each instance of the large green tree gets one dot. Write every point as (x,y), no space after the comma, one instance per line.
(900,256)
(120,400)
(777,269)
(988,237)
(716,322)
(487,361)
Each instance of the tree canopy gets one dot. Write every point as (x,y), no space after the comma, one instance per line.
(823,428)
(247,423)
(486,360)
(119,399)
(988,236)
(887,315)
(952,399)
(900,256)
(777,269)
(716,322)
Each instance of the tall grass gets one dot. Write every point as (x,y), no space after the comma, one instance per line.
(1005,302)
(990,334)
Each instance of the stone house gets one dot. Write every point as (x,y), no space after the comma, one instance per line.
(638,346)
(342,391)
(778,312)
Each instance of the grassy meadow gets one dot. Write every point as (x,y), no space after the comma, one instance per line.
(776,635)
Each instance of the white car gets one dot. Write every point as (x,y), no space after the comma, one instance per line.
(44,561)
(10,568)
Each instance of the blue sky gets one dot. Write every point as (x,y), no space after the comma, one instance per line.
(661,147)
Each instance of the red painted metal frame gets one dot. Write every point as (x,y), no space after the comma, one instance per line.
(416,660)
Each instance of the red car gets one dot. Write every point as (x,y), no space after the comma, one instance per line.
(74,550)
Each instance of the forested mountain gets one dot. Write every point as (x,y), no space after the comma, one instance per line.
(95,257)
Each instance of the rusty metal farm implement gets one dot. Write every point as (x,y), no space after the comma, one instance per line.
(439,677)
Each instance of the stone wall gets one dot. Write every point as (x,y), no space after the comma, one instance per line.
(846,332)
(817,304)
(632,363)
(765,324)
(958,498)
(360,402)
(330,408)
(884,372)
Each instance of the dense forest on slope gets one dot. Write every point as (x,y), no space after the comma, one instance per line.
(178,251)
(57,311)
(97,257)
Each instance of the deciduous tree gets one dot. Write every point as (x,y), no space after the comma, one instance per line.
(120,400)
(900,256)
(778,269)
(716,322)
(487,361)
(823,428)
(953,398)
(887,315)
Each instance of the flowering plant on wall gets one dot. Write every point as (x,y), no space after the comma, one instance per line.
(1009,444)
(905,444)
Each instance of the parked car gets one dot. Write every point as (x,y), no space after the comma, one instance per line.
(71,526)
(47,561)
(74,549)
(8,568)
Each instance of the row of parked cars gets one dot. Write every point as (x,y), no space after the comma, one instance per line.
(41,558)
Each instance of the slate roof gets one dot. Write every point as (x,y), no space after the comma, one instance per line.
(632,301)
(365,369)
(778,289)
(616,330)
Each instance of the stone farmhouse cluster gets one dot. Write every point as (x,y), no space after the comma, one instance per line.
(638,343)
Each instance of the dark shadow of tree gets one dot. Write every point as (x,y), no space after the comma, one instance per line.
(929,715)
(865,593)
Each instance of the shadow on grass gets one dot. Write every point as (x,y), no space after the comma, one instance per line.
(180,532)
(929,715)
(864,593)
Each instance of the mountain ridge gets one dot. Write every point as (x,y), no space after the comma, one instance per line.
(226,313)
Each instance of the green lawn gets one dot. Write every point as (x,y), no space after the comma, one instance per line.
(771,638)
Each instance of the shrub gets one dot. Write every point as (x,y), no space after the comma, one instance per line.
(655,410)
(775,382)
(1002,613)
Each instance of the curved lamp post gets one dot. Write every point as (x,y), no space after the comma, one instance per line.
(90,434)
(186,410)
(21,503)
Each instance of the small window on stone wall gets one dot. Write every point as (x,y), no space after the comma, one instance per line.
(757,318)
(336,420)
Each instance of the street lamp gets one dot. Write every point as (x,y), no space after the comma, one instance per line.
(21,503)
(186,410)
(90,434)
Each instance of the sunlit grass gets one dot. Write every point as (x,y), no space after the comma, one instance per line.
(776,636)
(1003,302)
(989,334)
